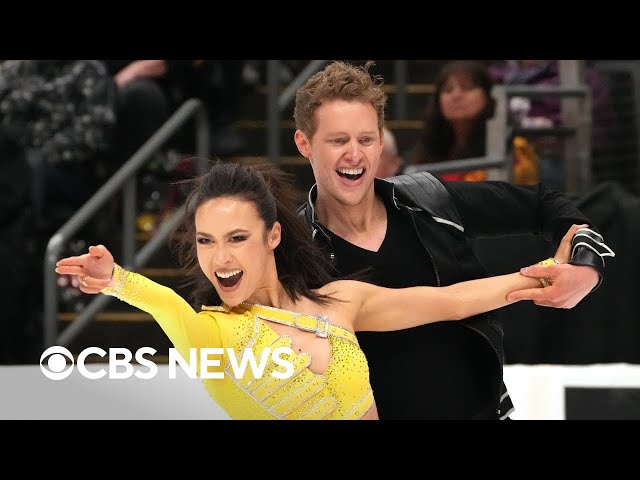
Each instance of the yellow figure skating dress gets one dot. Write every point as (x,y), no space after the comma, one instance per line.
(341,392)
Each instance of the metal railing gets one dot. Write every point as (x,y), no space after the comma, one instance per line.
(462,165)
(124,179)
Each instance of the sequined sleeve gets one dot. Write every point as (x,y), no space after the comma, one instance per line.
(178,319)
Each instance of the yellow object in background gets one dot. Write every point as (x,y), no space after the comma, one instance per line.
(475,175)
(147,222)
(526,169)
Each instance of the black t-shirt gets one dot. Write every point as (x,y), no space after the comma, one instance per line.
(441,370)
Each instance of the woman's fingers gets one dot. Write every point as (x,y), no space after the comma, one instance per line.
(70,270)
(89,290)
(97,251)
(77,260)
(93,285)
(87,284)
(90,282)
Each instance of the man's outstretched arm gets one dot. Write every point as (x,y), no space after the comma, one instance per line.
(501,208)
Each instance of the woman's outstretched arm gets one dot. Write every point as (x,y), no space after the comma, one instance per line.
(399,308)
(98,273)
(384,309)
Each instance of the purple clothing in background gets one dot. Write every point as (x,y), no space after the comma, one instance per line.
(546,73)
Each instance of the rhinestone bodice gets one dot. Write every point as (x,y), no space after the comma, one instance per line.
(342,391)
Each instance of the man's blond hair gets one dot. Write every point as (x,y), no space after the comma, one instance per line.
(338,81)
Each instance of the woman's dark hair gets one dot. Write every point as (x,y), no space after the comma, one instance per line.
(436,140)
(302,265)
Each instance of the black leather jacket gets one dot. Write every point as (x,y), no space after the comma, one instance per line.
(446,216)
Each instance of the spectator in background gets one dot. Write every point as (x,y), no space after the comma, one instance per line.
(142,104)
(547,112)
(390,160)
(78,122)
(454,125)
(217,83)
(62,114)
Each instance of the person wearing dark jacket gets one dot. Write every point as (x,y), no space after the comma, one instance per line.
(415,230)
(18,331)
(167,84)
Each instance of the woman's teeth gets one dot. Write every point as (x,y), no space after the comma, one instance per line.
(229,279)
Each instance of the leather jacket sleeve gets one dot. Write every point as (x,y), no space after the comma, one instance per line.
(588,248)
(502,208)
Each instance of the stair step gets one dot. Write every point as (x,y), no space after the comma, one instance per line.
(110,316)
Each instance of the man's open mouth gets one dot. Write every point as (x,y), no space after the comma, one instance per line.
(351,173)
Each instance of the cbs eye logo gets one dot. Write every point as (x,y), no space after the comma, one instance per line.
(57,367)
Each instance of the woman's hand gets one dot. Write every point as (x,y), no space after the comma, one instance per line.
(563,254)
(93,269)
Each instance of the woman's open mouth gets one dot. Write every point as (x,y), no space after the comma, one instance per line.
(228,280)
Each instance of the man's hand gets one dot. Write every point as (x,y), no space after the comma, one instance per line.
(569,283)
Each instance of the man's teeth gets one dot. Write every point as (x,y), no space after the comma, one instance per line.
(228,274)
(351,171)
